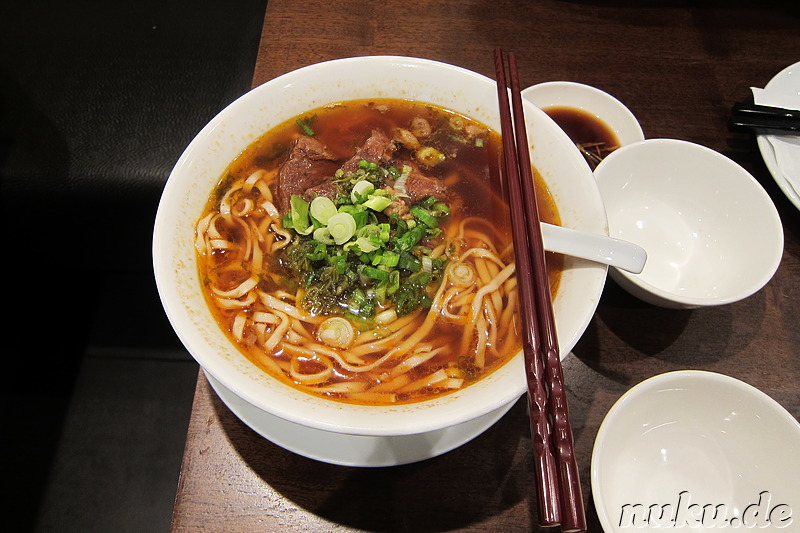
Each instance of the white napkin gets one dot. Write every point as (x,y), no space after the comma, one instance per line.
(786,147)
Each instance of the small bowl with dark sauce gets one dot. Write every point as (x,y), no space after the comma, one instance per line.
(597,122)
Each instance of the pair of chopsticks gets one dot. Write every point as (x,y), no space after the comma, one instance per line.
(765,117)
(558,483)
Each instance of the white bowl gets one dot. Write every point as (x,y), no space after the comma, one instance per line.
(200,167)
(688,439)
(355,450)
(592,100)
(711,233)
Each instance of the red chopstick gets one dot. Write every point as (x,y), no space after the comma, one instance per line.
(558,481)
(545,464)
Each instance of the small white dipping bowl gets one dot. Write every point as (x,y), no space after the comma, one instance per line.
(600,104)
(687,439)
(202,164)
(711,233)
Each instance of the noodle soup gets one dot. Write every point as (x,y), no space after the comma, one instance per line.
(362,252)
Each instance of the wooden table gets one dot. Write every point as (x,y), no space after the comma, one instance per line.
(679,69)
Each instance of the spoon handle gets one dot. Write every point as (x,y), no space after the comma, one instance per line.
(600,248)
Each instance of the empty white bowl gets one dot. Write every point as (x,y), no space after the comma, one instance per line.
(683,445)
(711,233)
(592,100)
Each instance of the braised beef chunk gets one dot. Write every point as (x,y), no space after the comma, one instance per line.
(309,164)
(398,207)
(377,148)
(327,189)
(419,186)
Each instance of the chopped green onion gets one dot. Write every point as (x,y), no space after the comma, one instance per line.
(361,191)
(300,221)
(367,165)
(342,227)
(410,238)
(421,278)
(400,225)
(377,233)
(440,210)
(366,245)
(420,250)
(408,262)
(393,283)
(428,202)
(323,235)
(336,332)
(389,259)
(305,126)
(374,273)
(378,203)
(322,208)
(424,216)
(359,214)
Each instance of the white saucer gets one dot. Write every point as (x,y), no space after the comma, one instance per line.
(354,450)
(787,80)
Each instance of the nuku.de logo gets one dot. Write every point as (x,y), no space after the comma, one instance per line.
(684,514)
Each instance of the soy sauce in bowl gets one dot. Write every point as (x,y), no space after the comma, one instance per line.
(593,137)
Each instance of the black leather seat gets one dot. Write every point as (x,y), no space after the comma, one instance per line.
(97,102)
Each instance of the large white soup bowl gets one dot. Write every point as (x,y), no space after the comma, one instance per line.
(202,164)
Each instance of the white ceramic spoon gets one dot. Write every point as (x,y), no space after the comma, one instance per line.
(599,248)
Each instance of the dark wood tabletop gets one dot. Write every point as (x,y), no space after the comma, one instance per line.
(679,66)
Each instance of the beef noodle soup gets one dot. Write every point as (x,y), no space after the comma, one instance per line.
(362,252)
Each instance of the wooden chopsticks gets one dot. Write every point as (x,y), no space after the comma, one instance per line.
(557,476)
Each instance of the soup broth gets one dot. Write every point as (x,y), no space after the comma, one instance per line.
(362,252)
(593,137)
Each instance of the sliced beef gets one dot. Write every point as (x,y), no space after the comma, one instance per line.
(398,207)
(327,189)
(308,169)
(419,186)
(309,163)
(376,149)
